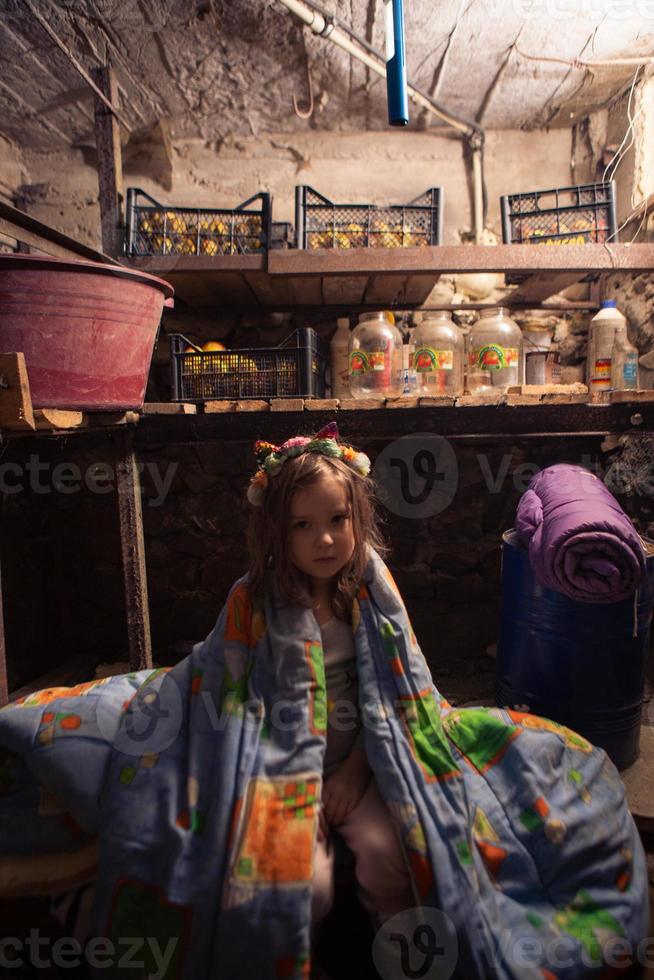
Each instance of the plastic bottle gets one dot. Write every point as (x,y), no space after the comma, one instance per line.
(438,356)
(339,359)
(601,335)
(410,382)
(375,353)
(624,362)
(494,351)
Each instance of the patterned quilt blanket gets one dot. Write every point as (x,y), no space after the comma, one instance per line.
(202,786)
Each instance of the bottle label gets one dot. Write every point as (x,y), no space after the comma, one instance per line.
(602,373)
(377,360)
(359,363)
(492,357)
(428,359)
(630,369)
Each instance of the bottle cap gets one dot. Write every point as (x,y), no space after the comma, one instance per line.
(607,304)
(343,321)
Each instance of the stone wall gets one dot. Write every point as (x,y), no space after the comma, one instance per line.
(381,167)
(62,577)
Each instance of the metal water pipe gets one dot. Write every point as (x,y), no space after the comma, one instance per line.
(326,26)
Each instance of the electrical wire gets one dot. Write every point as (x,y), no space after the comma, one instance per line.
(619,154)
(330,18)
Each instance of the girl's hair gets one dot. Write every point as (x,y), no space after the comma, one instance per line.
(269,527)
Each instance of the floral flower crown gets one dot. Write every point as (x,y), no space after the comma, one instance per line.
(272,458)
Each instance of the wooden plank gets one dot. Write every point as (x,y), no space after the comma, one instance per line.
(169,408)
(644,395)
(102,419)
(438,259)
(58,418)
(576,388)
(21,226)
(321,404)
(110,163)
(15,398)
(269,291)
(306,291)
(387,290)
(570,399)
(471,418)
(490,398)
(403,401)
(343,290)
(252,405)
(287,405)
(362,404)
(437,401)
(133,551)
(518,399)
(540,286)
(219,407)
(418,288)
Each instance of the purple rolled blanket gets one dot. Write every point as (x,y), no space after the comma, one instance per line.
(580,541)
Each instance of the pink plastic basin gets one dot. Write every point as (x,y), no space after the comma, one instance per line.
(87,330)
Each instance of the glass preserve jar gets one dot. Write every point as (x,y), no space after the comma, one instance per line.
(438,356)
(495,350)
(375,357)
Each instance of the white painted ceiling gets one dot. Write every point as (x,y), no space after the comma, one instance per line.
(214,67)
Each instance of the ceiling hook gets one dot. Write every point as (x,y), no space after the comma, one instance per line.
(308,111)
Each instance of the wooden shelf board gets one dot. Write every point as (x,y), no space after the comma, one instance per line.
(399,277)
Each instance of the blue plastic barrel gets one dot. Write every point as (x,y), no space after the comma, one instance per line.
(577,663)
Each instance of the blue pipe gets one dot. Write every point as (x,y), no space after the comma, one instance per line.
(398,102)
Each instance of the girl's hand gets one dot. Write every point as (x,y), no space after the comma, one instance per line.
(345,787)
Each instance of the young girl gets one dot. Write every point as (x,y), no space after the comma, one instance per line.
(310,532)
(213,789)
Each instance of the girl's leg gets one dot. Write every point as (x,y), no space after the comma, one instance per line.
(385,884)
(323,880)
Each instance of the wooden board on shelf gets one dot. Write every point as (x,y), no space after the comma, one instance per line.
(15,400)
(58,418)
(378,277)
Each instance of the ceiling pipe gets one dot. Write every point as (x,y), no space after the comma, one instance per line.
(326,26)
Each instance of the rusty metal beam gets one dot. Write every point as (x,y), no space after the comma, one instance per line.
(133,551)
(110,163)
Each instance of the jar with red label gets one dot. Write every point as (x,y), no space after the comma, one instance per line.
(495,349)
(375,357)
(438,356)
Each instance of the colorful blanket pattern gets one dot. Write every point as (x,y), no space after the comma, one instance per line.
(203,784)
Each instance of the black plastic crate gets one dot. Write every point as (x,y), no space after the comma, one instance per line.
(282,235)
(162,229)
(320,223)
(561,216)
(295,368)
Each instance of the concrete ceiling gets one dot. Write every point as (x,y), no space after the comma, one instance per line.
(213,67)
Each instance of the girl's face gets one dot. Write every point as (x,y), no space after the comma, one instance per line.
(321,534)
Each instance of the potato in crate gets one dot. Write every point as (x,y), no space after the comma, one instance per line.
(296,368)
(320,223)
(575,215)
(161,229)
